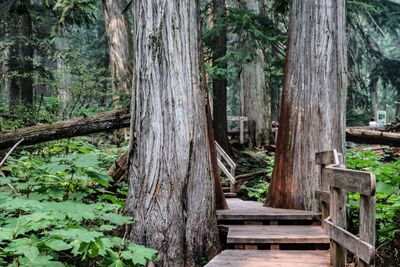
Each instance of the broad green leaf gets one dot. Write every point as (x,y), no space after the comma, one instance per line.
(386,188)
(139,254)
(77,234)
(30,252)
(57,245)
(117,263)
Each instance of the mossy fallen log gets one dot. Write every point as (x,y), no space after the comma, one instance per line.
(102,122)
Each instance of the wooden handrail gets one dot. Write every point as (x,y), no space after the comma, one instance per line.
(364,250)
(221,154)
(336,182)
(225,156)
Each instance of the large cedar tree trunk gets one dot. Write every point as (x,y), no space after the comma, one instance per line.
(313,106)
(256,97)
(120,48)
(219,82)
(171,186)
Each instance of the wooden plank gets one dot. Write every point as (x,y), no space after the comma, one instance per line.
(350,180)
(226,189)
(268,258)
(359,248)
(324,196)
(367,224)
(230,195)
(276,234)
(338,216)
(240,210)
(327,157)
(226,172)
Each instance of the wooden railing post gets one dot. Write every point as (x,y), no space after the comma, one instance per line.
(340,181)
(323,159)
(241,130)
(338,217)
(367,222)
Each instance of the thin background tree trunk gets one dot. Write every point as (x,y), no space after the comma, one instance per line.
(313,106)
(120,48)
(171,183)
(219,83)
(21,56)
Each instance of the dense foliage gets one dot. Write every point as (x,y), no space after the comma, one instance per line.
(387,171)
(60,208)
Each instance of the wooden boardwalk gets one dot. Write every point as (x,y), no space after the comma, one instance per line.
(258,236)
(255,236)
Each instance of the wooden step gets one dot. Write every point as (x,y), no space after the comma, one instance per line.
(230,195)
(269,258)
(277,234)
(240,210)
(226,189)
(225,184)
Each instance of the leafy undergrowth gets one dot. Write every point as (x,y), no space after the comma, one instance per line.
(254,161)
(58,207)
(386,167)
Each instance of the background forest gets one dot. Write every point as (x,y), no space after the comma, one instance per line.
(62,59)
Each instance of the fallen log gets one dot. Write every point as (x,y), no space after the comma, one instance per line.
(250,175)
(102,122)
(108,121)
(368,136)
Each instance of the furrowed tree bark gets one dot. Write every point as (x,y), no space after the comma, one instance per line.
(106,121)
(256,96)
(120,49)
(171,183)
(219,82)
(313,107)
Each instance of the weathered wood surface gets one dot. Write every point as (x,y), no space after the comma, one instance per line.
(368,136)
(350,180)
(360,248)
(338,216)
(105,121)
(277,234)
(340,181)
(251,210)
(280,258)
(329,157)
(323,196)
(367,226)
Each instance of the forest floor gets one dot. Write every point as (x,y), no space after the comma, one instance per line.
(76,170)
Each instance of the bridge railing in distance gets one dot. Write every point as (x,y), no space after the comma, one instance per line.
(242,129)
(336,183)
(230,174)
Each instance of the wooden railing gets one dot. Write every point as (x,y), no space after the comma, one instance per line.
(336,182)
(242,128)
(230,174)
